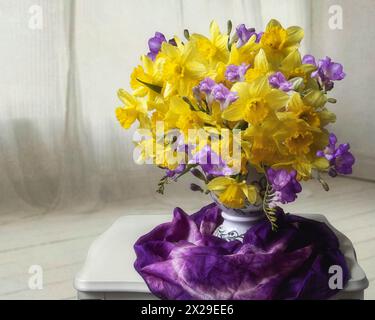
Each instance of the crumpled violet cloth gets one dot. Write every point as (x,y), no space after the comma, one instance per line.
(183,260)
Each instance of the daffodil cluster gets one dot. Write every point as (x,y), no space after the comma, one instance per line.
(253,83)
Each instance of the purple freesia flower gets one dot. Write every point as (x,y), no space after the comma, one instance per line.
(155,43)
(235,73)
(223,95)
(327,71)
(309,59)
(284,185)
(206,85)
(216,91)
(341,160)
(211,162)
(244,34)
(278,80)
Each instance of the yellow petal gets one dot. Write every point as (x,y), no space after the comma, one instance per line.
(214,29)
(126,97)
(326,117)
(259,87)
(126,116)
(295,102)
(291,62)
(321,163)
(277,99)
(272,24)
(250,192)
(233,197)
(252,195)
(242,89)
(219,183)
(234,112)
(295,35)
(196,69)
(261,63)
(315,98)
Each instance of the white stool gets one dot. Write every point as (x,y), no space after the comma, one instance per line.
(108,272)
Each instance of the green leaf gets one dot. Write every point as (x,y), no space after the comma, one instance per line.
(151,86)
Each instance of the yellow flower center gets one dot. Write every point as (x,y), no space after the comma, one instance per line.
(207,49)
(309,116)
(179,70)
(299,143)
(298,72)
(256,111)
(274,38)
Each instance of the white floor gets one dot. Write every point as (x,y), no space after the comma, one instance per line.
(59,242)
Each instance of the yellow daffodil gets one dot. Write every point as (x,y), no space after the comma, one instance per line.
(314,116)
(297,109)
(279,42)
(295,137)
(132,110)
(232,193)
(214,49)
(244,54)
(260,145)
(181,116)
(257,100)
(261,67)
(179,68)
(142,75)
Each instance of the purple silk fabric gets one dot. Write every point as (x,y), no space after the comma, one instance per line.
(183,260)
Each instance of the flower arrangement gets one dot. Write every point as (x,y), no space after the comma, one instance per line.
(259,104)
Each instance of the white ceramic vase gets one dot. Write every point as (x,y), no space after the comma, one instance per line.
(237,221)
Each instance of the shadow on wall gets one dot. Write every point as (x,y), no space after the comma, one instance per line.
(29,166)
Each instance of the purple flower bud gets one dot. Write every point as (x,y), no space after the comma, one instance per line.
(172,42)
(278,80)
(195,187)
(332,172)
(327,71)
(341,160)
(155,43)
(235,73)
(223,95)
(206,85)
(244,34)
(220,92)
(284,185)
(210,162)
(309,59)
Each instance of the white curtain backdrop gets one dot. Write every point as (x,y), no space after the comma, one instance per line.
(60,145)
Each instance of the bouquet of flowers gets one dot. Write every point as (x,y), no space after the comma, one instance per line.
(225,106)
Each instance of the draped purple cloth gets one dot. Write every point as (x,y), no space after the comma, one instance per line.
(183,260)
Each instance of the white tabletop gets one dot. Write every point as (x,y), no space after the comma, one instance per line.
(109,263)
